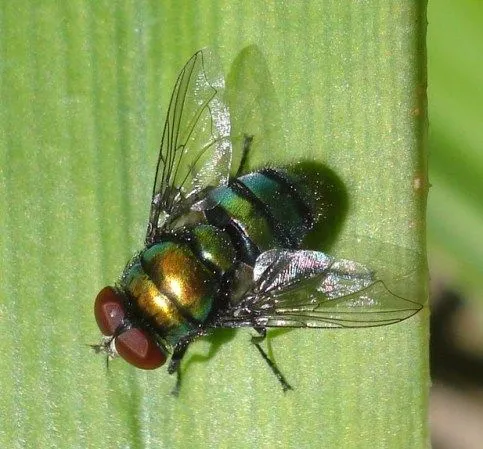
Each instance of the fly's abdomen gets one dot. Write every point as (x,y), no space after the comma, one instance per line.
(262,210)
(175,282)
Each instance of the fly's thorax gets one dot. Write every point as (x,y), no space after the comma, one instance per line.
(213,246)
(175,283)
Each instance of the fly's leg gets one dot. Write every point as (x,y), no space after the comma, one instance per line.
(178,353)
(262,335)
(256,340)
(247,142)
(174,364)
(177,385)
(285,385)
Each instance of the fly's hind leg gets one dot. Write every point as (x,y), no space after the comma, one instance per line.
(247,143)
(262,335)
(256,340)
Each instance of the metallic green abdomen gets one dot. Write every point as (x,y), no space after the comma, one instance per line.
(261,211)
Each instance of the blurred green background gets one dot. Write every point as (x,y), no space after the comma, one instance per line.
(455,220)
(455,95)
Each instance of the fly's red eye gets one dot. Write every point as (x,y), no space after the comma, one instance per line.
(138,348)
(109,310)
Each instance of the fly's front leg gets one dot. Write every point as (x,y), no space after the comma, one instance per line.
(256,340)
(178,353)
(174,364)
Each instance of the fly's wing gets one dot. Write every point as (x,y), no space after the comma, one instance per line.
(313,289)
(195,151)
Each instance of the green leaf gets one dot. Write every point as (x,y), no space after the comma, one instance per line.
(85,86)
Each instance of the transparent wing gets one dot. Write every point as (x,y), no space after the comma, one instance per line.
(195,149)
(313,289)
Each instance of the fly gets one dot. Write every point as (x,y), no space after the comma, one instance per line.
(223,250)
